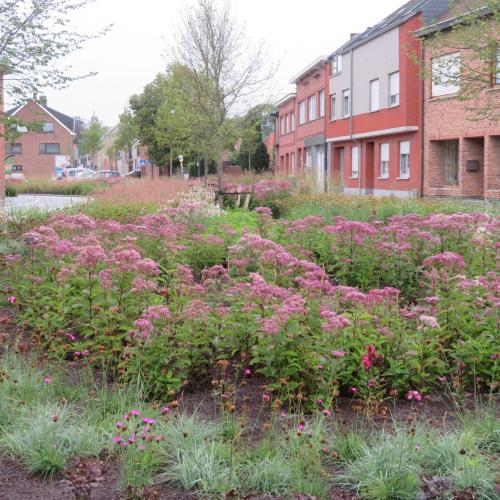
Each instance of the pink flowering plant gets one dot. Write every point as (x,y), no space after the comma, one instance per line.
(314,307)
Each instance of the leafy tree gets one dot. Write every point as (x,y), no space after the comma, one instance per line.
(251,137)
(476,36)
(91,140)
(127,135)
(224,69)
(145,108)
(34,36)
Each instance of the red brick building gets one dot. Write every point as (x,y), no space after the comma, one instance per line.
(301,124)
(461,152)
(374,106)
(37,152)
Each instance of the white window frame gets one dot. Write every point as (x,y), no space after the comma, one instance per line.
(393,90)
(336,65)
(333,105)
(293,121)
(322,103)
(346,98)
(446,74)
(404,160)
(355,162)
(45,126)
(282,125)
(302,112)
(374,95)
(312,108)
(385,151)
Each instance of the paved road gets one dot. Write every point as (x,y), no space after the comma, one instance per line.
(44,203)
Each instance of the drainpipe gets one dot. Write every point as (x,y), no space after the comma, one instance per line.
(351,100)
(422,124)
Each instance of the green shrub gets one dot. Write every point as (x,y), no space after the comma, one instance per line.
(10,191)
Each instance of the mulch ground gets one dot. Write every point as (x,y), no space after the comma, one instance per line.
(17,484)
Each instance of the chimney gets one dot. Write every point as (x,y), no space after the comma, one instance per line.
(42,100)
(353,35)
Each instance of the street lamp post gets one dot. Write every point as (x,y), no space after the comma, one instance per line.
(172,111)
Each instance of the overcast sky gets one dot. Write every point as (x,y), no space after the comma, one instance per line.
(133,52)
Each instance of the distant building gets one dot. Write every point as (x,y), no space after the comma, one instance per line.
(461,150)
(38,153)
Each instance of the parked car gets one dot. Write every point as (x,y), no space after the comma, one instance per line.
(106,175)
(16,177)
(133,174)
(78,173)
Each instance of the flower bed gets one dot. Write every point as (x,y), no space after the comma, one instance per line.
(319,308)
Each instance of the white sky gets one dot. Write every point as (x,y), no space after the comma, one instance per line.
(295,31)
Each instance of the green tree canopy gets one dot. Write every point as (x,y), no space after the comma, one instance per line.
(91,139)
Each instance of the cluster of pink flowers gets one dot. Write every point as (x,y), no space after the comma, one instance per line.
(136,431)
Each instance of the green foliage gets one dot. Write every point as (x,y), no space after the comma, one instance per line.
(10,191)
(91,139)
(73,188)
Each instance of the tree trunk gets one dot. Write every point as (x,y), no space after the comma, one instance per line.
(220,182)
(205,168)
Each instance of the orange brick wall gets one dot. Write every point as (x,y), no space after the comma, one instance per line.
(36,165)
(446,118)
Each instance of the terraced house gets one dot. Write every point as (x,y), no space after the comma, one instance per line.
(461,139)
(365,121)
(37,153)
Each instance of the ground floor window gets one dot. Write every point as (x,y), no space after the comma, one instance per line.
(355,162)
(384,161)
(451,162)
(404,160)
(17,168)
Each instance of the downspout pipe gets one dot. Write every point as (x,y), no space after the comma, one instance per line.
(422,123)
(351,100)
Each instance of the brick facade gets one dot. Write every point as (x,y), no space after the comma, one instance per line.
(31,160)
(450,123)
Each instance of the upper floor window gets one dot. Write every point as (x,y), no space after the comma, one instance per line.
(336,65)
(384,161)
(22,129)
(282,125)
(49,149)
(355,162)
(404,160)
(375,95)
(333,105)
(394,89)
(48,127)
(12,148)
(288,123)
(446,74)
(321,103)
(302,112)
(17,168)
(312,108)
(293,121)
(346,103)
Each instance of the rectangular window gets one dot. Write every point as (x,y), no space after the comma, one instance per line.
(22,129)
(282,125)
(293,121)
(288,123)
(394,89)
(384,161)
(404,160)
(48,128)
(375,95)
(354,162)
(446,74)
(346,103)
(336,65)
(17,168)
(451,162)
(12,148)
(302,112)
(49,149)
(321,103)
(312,108)
(333,105)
